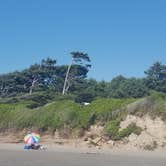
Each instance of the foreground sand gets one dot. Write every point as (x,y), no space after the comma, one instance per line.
(13,143)
(14,155)
(85,150)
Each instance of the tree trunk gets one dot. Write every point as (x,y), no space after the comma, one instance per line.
(32,86)
(67,86)
(66,78)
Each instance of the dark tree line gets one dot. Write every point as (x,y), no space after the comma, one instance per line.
(44,76)
(72,79)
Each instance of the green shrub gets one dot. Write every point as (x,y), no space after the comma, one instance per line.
(132,128)
(153,105)
(58,111)
(104,109)
(29,112)
(112,129)
(158,99)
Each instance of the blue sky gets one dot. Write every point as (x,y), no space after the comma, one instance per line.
(121,36)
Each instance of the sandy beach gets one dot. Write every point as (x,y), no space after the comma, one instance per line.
(15,155)
(83,150)
(75,153)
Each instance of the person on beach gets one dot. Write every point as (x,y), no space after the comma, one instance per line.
(35,146)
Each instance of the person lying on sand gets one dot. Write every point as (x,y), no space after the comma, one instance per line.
(35,147)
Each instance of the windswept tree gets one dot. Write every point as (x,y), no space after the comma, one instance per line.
(49,73)
(156,77)
(43,74)
(79,66)
(11,83)
(34,76)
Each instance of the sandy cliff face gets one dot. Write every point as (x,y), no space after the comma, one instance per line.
(154,131)
(153,134)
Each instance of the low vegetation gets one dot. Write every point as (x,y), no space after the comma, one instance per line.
(56,114)
(132,128)
(62,112)
(112,129)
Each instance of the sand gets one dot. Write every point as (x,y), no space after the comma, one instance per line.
(15,155)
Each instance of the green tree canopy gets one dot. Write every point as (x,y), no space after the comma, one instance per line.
(156,77)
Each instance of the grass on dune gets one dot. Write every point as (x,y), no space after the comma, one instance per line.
(62,112)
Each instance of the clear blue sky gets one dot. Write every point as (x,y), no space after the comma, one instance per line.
(121,36)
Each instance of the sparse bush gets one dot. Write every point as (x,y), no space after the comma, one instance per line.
(151,147)
(132,128)
(112,129)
